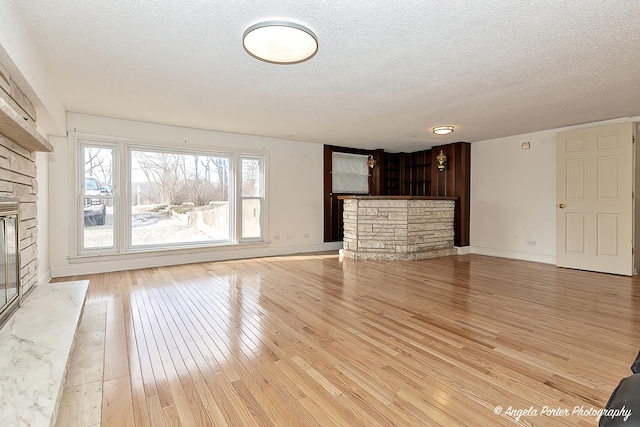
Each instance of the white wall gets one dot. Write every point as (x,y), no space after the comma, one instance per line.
(513,195)
(21,58)
(295,179)
(42,177)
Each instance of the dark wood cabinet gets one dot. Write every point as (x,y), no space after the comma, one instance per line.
(416,174)
(408,174)
(393,174)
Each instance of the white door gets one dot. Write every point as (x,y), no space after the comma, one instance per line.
(594,220)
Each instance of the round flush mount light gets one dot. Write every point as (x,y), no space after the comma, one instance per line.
(280,42)
(442,130)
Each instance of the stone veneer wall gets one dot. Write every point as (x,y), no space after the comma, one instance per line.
(388,229)
(18,179)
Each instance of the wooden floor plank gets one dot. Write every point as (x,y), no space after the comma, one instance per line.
(117,406)
(312,341)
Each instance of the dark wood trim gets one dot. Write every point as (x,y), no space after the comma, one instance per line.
(455,181)
(463,191)
(332,206)
(328,232)
(376,183)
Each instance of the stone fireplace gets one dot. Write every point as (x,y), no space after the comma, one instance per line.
(36,339)
(10,292)
(19,142)
(18,179)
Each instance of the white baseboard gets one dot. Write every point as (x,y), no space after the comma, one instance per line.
(463,250)
(45,277)
(524,256)
(136,261)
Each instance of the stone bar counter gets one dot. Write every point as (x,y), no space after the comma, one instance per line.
(398,227)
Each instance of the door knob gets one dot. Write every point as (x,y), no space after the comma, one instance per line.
(561,205)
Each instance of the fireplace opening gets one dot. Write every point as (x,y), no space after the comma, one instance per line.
(10,291)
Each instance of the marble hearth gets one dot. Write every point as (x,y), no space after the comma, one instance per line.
(35,346)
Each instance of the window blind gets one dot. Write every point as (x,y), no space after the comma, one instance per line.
(350,173)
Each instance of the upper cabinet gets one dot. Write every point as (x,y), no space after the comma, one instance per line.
(417,174)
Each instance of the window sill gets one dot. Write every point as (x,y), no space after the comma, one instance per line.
(150,253)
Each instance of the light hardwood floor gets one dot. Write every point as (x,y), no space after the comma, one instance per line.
(312,341)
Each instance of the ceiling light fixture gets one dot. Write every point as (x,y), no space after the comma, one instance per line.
(442,130)
(280,42)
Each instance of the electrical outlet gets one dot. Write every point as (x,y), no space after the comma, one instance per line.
(305,235)
(531,242)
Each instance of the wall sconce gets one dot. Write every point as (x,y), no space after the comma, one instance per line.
(372,162)
(442,161)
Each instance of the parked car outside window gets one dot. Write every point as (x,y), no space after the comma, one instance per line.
(95,209)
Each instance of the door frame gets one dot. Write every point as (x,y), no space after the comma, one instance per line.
(590,205)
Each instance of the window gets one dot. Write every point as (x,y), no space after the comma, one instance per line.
(349,173)
(252,198)
(170,198)
(178,198)
(97,199)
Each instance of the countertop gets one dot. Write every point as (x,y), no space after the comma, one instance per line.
(347,197)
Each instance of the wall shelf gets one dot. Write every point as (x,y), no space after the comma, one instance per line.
(414,174)
(393,174)
(420,165)
(21,131)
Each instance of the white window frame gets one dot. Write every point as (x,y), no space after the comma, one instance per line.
(262,198)
(80,195)
(129,148)
(121,195)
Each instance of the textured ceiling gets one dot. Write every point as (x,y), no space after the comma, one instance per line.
(386,72)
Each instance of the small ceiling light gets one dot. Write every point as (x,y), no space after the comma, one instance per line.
(442,130)
(280,42)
